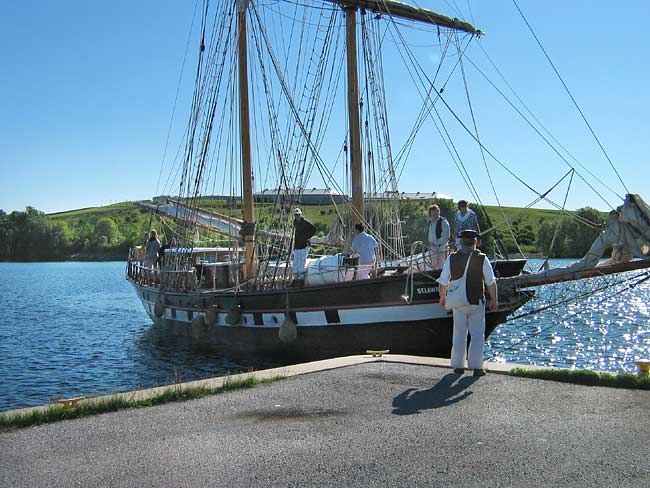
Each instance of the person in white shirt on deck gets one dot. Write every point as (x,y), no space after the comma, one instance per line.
(438,237)
(472,316)
(365,246)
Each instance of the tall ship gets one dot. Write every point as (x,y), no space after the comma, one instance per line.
(277,85)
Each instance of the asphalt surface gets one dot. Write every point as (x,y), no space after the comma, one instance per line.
(376,424)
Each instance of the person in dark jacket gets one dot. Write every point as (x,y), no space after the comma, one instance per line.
(151,250)
(303,231)
(163,248)
(475,266)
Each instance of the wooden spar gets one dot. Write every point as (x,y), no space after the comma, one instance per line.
(404,11)
(537,279)
(244,129)
(353,114)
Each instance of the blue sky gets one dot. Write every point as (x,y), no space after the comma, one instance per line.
(87,91)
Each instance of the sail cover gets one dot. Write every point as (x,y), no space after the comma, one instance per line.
(627,232)
(231,226)
(406,11)
(228,226)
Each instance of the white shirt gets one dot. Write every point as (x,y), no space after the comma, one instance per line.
(444,235)
(488,274)
(364,245)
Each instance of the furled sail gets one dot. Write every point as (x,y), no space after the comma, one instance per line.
(221,224)
(231,226)
(627,232)
(406,11)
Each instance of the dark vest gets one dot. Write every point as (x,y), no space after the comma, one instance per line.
(438,227)
(475,282)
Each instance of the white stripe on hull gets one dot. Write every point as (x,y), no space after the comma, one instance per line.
(359,316)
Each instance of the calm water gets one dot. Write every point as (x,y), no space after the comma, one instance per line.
(71,329)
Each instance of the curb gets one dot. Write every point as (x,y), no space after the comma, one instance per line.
(287,371)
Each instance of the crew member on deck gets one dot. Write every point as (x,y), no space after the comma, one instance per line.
(303,231)
(161,252)
(151,250)
(438,237)
(471,315)
(365,246)
(466,219)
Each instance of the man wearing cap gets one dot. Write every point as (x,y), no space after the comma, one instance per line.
(365,246)
(472,316)
(303,231)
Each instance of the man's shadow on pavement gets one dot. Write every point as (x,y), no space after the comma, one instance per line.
(442,394)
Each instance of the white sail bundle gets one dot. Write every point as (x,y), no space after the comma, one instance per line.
(231,226)
(626,232)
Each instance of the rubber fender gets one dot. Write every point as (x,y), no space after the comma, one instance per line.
(159,308)
(198,323)
(211,316)
(234,316)
(288,331)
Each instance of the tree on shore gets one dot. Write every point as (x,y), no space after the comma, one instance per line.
(573,237)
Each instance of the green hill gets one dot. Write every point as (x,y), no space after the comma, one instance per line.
(101,233)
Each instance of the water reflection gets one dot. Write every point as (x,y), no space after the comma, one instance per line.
(606,330)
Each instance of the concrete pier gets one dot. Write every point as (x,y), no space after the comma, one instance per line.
(357,421)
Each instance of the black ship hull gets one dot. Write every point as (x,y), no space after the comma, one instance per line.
(395,312)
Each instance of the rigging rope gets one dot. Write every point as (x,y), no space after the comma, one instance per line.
(575,103)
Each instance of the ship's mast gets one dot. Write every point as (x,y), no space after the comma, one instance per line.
(389,7)
(356,170)
(397,10)
(248,228)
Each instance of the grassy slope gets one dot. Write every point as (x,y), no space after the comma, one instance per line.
(106,211)
(321,215)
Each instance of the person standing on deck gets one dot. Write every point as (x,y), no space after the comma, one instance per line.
(365,246)
(471,316)
(466,219)
(151,250)
(303,231)
(161,252)
(142,249)
(439,233)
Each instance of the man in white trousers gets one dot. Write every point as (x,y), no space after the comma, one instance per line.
(472,316)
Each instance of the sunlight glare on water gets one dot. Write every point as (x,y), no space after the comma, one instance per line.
(605,331)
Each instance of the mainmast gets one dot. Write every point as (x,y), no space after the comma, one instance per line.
(393,9)
(248,228)
(356,162)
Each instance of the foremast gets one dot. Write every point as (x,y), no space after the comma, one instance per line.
(248,228)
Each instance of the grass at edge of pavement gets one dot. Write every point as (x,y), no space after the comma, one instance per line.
(586,378)
(179,393)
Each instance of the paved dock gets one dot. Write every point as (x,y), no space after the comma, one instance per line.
(366,424)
